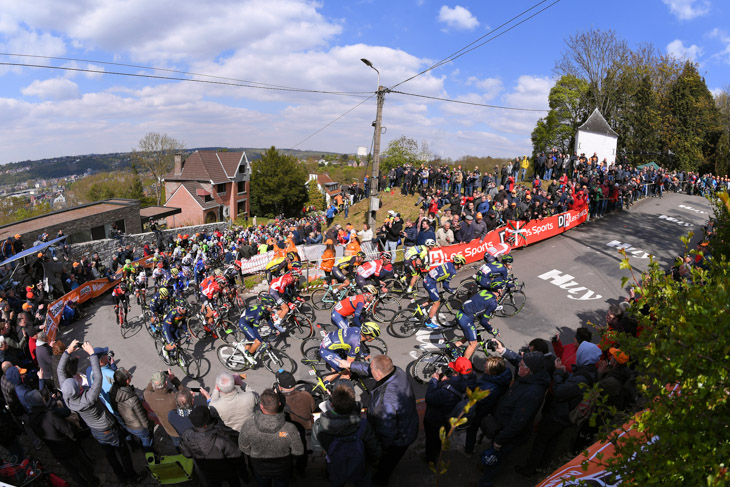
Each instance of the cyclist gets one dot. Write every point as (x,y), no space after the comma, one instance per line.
(174,284)
(140,285)
(160,274)
(210,289)
(481,306)
(339,348)
(127,270)
(119,295)
(173,327)
(250,321)
(199,270)
(231,272)
(284,289)
(159,305)
(375,270)
(441,274)
(352,306)
(346,266)
(416,261)
(280,264)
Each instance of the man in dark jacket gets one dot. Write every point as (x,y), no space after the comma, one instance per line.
(466,232)
(216,455)
(512,422)
(392,229)
(392,412)
(567,393)
(445,390)
(126,403)
(496,379)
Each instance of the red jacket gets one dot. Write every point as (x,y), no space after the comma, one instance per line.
(566,353)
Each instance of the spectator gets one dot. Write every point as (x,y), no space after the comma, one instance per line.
(353,246)
(411,234)
(161,400)
(126,403)
(444,235)
(341,419)
(480,227)
(179,418)
(466,232)
(496,379)
(102,424)
(270,442)
(392,228)
(566,353)
(299,408)
(425,233)
(44,356)
(366,234)
(392,412)
(445,390)
(106,362)
(230,400)
(216,455)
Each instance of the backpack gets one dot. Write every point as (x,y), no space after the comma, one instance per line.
(346,456)
(583,410)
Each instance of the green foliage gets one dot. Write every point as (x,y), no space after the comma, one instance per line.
(16,208)
(136,189)
(315,196)
(683,435)
(106,185)
(404,150)
(277,185)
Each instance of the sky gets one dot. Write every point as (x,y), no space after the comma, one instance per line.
(288,46)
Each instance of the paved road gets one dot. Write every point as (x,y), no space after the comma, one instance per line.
(570,280)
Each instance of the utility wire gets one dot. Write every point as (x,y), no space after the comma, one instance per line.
(330,123)
(468,48)
(471,103)
(173,78)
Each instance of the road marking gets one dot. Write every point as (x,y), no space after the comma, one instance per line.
(565,281)
(639,254)
(674,220)
(414,355)
(693,209)
(428,340)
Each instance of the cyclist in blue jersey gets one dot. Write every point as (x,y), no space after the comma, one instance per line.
(493,269)
(159,304)
(250,321)
(344,345)
(479,307)
(441,274)
(174,326)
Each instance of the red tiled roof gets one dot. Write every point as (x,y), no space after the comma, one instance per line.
(193,188)
(324,179)
(208,165)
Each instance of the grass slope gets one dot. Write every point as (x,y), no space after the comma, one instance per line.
(405,205)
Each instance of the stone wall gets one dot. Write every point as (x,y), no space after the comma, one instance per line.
(108,247)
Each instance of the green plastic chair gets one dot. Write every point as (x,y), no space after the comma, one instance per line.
(173,469)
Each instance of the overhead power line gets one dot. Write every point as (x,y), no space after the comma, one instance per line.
(471,103)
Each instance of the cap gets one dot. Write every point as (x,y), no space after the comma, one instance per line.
(286,380)
(22,371)
(101,350)
(514,203)
(461,365)
(158,379)
(534,361)
(17,236)
(200,416)
(617,354)
(469,217)
(27,306)
(40,255)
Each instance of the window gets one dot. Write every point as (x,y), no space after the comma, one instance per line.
(242,186)
(207,198)
(241,209)
(221,188)
(242,169)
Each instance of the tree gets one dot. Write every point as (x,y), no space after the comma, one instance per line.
(155,153)
(722,154)
(315,196)
(135,190)
(568,110)
(278,185)
(400,151)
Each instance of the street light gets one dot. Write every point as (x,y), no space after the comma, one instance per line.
(374,202)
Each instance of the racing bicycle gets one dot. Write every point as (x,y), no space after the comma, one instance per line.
(408,321)
(181,355)
(233,357)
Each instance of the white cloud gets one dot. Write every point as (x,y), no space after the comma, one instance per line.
(491,86)
(457,18)
(52,89)
(723,37)
(678,50)
(688,9)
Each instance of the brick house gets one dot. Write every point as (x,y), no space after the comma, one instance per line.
(208,186)
(326,185)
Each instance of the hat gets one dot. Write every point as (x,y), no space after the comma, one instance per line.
(158,379)
(617,354)
(328,241)
(101,350)
(534,361)
(200,416)
(461,365)
(588,354)
(469,217)
(17,236)
(479,216)
(514,203)
(27,306)
(40,255)
(70,388)
(286,380)
(528,197)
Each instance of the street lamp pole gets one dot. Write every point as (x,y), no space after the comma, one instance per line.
(374,201)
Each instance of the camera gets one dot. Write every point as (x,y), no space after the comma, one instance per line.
(110,355)
(492,345)
(524,350)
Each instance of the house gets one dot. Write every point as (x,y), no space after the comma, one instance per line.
(329,188)
(208,186)
(596,136)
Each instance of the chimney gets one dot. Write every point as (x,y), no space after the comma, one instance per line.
(178,164)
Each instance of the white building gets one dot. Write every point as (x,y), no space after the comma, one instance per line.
(596,136)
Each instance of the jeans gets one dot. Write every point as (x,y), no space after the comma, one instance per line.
(117,453)
(548,174)
(457,188)
(145,436)
(523,174)
(391,247)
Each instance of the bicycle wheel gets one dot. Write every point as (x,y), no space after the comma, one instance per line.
(310,348)
(226,331)
(512,303)
(299,326)
(385,308)
(189,364)
(231,358)
(307,310)
(395,286)
(376,347)
(318,393)
(197,329)
(405,324)
(447,311)
(262,294)
(159,347)
(427,364)
(466,289)
(322,299)
(276,360)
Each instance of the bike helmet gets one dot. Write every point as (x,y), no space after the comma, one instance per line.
(291,256)
(386,256)
(296,272)
(182,310)
(459,259)
(174,272)
(361,254)
(160,265)
(430,243)
(370,329)
(164,292)
(370,289)
(221,280)
(507,259)
(497,285)
(127,261)
(296,265)
(218,272)
(489,258)
(267,301)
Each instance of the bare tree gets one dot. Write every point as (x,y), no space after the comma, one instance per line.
(155,152)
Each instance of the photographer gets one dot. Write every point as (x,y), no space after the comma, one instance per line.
(392,228)
(108,367)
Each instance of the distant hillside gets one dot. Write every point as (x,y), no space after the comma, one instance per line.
(59,167)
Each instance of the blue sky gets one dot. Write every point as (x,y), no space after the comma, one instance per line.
(315,46)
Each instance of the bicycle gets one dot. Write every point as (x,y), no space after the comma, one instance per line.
(302,306)
(511,301)
(310,347)
(429,362)
(407,322)
(179,355)
(233,357)
(120,312)
(384,307)
(222,328)
(324,299)
(155,330)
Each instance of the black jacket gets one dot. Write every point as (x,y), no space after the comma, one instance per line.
(567,392)
(392,233)
(516,411)
(208,443)
(55,431)
(442,396)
